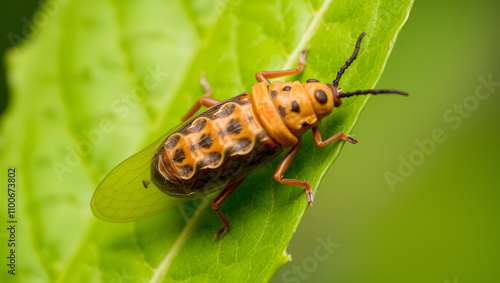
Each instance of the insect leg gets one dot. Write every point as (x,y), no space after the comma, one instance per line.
(205,100)
(339,135)
(264,76)
(278,174)
(218,202)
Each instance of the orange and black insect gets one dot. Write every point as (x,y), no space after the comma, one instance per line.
(217,148)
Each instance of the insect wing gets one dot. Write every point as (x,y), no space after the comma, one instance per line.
(121,195)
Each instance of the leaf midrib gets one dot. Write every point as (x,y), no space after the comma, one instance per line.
(166,262)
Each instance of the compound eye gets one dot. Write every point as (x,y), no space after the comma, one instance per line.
(321,96)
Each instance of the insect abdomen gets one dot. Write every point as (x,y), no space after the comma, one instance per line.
(217,147)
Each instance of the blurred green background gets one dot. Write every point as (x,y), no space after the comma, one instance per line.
(438,223)
(12,20)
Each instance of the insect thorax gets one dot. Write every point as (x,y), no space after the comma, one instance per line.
(288,110)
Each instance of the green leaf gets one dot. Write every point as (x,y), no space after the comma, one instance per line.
(99,80)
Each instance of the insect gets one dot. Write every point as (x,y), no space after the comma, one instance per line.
(219,147)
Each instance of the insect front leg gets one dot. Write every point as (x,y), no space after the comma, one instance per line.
(264,76)
(284,164)
(205,100)
(218,201)
(319,141)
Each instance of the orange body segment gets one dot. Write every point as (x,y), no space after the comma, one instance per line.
(293,106)
(268,116)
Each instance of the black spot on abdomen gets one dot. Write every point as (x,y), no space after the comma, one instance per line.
(179,156)
(241,145)
(205,141)
(173,141)
(261,135)
(194,128)
(212,159)
(226,111)
(186,170)
(234,127)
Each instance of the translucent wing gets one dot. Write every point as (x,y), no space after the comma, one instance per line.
(121,196)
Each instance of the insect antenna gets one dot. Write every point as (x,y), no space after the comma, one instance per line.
(348,62)
(371,91)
